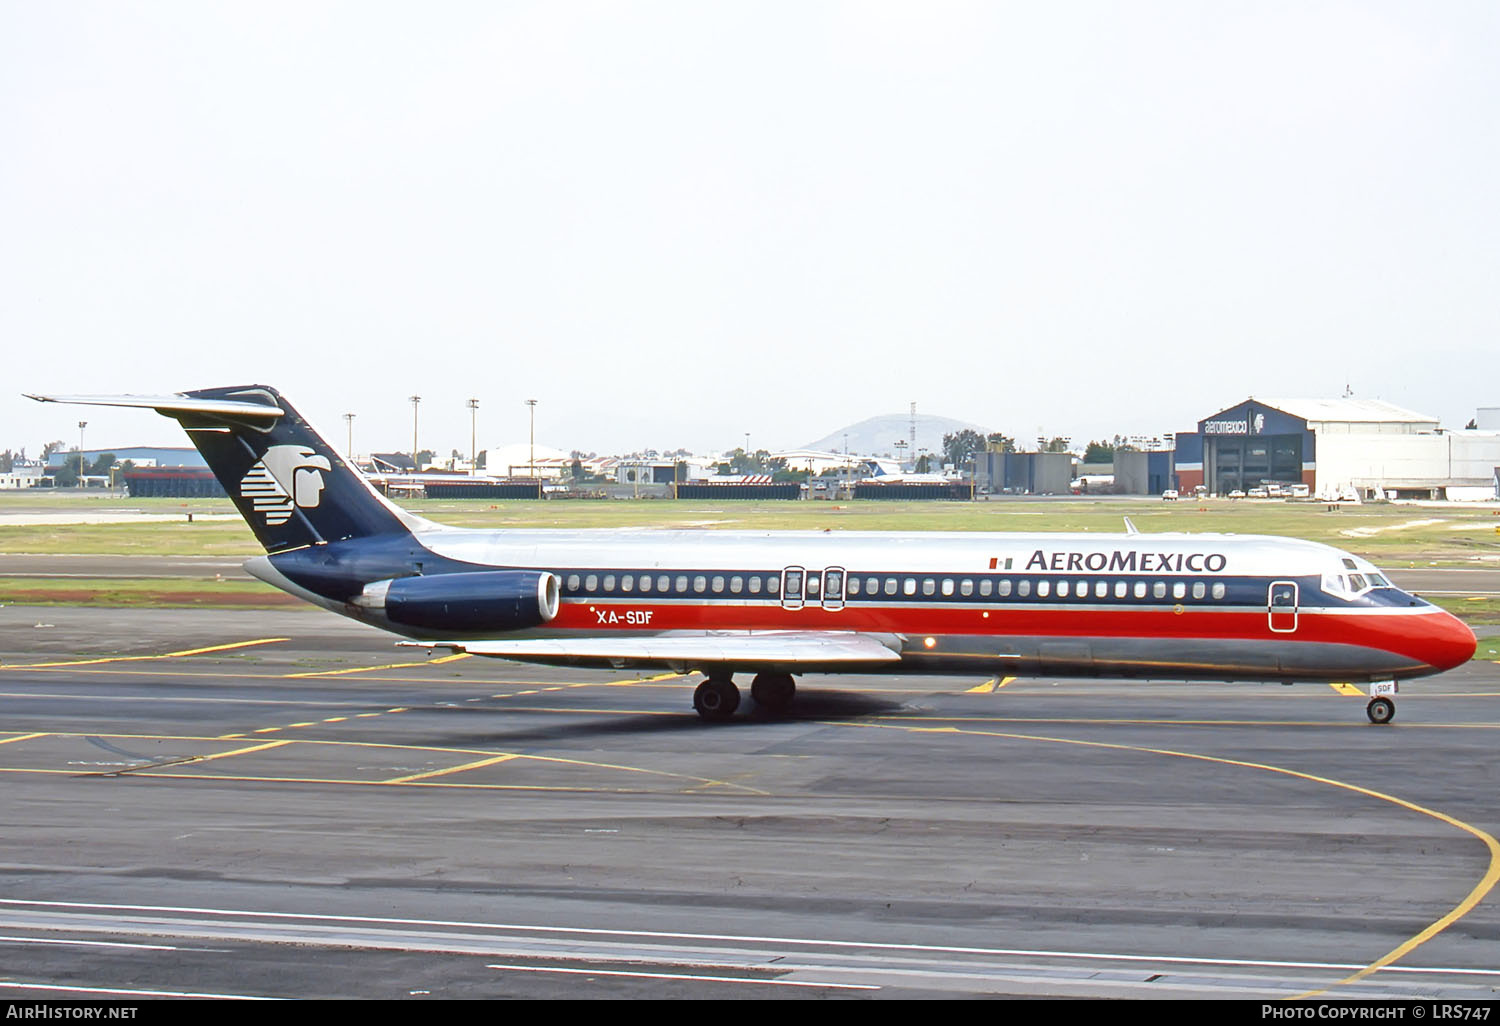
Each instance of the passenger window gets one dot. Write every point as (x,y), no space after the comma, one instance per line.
(947,586)
(573,582)
(682,584)
(966,587)
(1004,586)
(773,585)
(1219,589)
(1043,589)
(1120,589)
(1179,590)
(1023,588)
(1140,589)
(627,582)
(1199,589)
(929,586)
(890,586)
(736,584)
(591,582)
(718,585)
(1159,589)
(854,585)
(609,582)
(1062,589)
(835,589)
(754,585)
(664,583)
(985,587)
(910,586)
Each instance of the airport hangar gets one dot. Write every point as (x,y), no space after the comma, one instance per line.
(1333,445)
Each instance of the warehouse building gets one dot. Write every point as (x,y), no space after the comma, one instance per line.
(1369,446)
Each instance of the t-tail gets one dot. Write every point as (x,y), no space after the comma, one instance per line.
(290,485)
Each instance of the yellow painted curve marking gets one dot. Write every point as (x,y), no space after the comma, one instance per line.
(1347,689)
(143,658)
(1473,898)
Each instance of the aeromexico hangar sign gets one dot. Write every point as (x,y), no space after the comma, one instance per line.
(1250,424)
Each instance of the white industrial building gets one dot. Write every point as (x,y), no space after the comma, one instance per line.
(1334,445)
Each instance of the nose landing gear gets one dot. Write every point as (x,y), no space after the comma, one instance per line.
(1382,707)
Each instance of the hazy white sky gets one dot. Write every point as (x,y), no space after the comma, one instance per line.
(672,223)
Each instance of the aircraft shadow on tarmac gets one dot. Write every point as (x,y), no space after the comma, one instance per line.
(811,706)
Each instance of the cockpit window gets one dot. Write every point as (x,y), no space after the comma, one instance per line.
(1356,583)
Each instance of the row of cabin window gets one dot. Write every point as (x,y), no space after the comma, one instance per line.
(666,583)
(876,586)
(1024,588)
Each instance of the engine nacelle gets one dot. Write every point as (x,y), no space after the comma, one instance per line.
(489,600)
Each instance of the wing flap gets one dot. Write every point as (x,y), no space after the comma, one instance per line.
(781,650)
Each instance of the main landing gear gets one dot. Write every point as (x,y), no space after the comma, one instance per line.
(717,698)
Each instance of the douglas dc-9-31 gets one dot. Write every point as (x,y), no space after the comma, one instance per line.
(781,604)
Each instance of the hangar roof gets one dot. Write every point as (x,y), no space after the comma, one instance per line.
(1348,411)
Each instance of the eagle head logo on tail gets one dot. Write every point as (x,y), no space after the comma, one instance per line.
(286,474)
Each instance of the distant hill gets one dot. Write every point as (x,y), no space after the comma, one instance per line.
(877,436)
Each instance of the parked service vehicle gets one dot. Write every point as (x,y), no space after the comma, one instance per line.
(1170,495)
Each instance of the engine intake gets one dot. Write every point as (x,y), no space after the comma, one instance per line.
(490,600)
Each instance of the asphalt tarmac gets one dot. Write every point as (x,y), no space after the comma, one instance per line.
(282,804)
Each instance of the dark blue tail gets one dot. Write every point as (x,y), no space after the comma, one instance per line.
(290,485)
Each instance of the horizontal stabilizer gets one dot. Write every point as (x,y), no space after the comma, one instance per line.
(742,649)
(170,405)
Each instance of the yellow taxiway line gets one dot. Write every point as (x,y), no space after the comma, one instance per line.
(1477,894)
(371,669)
(142,658)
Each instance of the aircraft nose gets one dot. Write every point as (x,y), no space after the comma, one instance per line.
(1454,644)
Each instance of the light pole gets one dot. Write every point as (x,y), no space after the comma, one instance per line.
(473,437)
(416,401)
(81,425)
(349,449)
(901,453)
(532,404)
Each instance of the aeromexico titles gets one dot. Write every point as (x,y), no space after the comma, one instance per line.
(779,604)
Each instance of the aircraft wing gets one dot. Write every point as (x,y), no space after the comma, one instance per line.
(783,651)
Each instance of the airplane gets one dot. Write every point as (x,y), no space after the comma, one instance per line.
(779,605)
